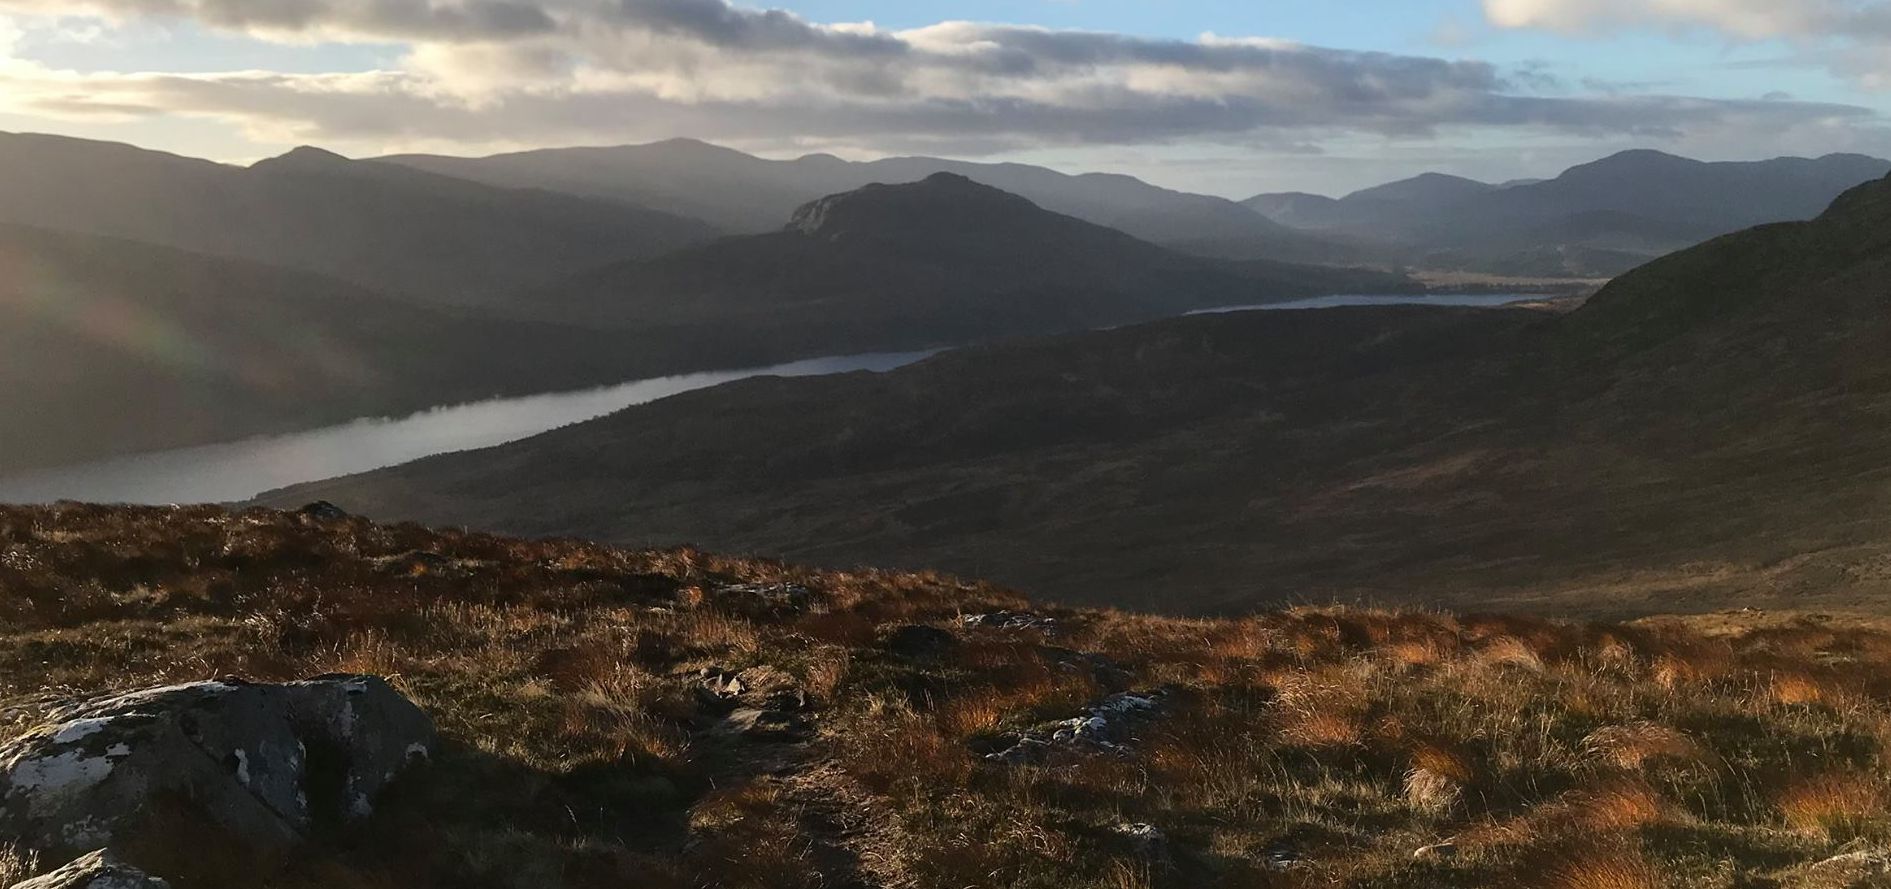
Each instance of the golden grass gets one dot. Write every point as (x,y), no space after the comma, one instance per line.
(1593,867)
(1640,744)
(565,677)
(1835,804)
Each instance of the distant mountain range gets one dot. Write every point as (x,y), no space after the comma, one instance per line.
(1598,219)
(388,228)
(1709,429)
(746,194)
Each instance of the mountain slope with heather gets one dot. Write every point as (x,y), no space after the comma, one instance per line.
(1706,430)
(675,718)
(388,228)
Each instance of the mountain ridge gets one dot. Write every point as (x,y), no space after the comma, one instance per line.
(405,233)
(748,194)
(1663,202)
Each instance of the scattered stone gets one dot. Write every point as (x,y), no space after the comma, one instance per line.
(763,598)
(1011,620)
(99,870)
(919,642)
(323,511)
(271,764)
(1108,727)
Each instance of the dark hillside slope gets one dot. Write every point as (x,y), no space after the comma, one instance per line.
(110,347)
(1709,429)
(941,261)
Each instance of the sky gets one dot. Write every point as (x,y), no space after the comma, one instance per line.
(1231,97)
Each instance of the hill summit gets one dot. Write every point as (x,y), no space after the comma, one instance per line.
(943,204)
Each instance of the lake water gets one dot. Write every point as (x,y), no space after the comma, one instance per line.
(1474,300)
(240,470)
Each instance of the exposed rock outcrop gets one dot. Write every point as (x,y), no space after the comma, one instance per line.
(273,765)
(99,870)
(1109,727)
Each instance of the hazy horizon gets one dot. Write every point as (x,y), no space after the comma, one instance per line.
(1198,95)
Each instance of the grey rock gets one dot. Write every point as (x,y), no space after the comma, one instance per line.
(99,870)
(271,764)
(1011,620)
(1109,726)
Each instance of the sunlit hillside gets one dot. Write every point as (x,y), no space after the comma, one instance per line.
(677,718)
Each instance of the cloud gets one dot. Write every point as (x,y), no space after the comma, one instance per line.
(1851,37)
(1745,18)
(521,71)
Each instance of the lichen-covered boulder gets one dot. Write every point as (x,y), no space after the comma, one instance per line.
(99,870)
(270,764)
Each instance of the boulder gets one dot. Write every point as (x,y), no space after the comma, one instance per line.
(99,870)
(271,765)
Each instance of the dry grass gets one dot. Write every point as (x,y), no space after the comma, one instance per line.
(1634,746)
(1594,867)
(16,866)
(1839,805)
(563,674)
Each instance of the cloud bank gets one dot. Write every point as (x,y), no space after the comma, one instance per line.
(505,71)
(1852,37)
